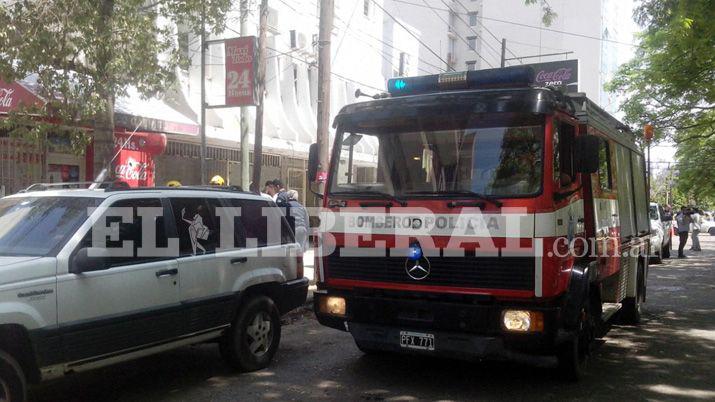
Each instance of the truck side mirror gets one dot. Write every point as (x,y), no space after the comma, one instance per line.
(82,262)
(586,148)
(313,162)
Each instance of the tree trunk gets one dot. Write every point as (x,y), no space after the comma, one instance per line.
(104,121)
(104,139)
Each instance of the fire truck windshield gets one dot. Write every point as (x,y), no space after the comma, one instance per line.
(493,161)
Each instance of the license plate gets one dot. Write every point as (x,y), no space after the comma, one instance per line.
(416,340)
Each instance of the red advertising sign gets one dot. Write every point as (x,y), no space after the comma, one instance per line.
(135,162)
(241,71)
(12,95)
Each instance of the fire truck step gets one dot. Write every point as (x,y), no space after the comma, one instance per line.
(609,309)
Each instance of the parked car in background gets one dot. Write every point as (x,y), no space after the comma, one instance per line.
(661,226)
(708,224)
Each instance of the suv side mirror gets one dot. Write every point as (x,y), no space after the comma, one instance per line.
(82,262)
(586,147)
(313,162)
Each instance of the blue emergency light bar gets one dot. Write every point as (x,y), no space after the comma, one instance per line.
(507,77)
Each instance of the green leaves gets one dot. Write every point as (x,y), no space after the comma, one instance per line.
(88,51)
(671,84)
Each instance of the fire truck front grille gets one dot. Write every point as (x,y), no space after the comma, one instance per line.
(513,273)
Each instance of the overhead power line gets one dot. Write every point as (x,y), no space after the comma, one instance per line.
(489,31)
(412,34)
(460,36)
(456,14)
(528,26)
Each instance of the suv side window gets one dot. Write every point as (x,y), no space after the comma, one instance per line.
(254,225)
(132,231)
(196,224)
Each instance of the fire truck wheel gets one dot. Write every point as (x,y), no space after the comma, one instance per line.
(573,354)
(253,338)
(12,379)
(630,313)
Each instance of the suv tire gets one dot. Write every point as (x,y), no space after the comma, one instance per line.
(13,386)
(252,340)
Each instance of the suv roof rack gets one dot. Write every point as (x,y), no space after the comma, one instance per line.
(232,189)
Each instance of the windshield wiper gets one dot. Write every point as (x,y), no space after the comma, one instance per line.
(380,194)
(472,194)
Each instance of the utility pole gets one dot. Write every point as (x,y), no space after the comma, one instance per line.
(203,94)
(260,82)
(503,52)
(245,151)
(324,36)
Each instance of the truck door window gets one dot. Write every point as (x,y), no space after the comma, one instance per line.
(563,139)
(604,168)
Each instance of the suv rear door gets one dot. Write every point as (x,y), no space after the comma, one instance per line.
(131,301)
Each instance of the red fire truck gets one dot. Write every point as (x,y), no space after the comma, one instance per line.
(475,215)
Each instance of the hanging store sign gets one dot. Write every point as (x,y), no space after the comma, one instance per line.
(241,71)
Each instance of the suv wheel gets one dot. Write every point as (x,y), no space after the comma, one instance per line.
(253,338)
(12,379)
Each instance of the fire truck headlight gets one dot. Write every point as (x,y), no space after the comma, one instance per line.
(332,305)
(523,321)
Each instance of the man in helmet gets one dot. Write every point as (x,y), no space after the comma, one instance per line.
(173,183)
(217,181)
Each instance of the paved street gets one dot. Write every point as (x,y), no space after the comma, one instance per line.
(671,356)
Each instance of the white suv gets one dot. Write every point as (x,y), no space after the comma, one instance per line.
(94,277)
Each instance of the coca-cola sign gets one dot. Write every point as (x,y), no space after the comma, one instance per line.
(6,97)
(563,73)
(12,95)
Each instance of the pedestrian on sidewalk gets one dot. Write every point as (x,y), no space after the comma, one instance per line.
(300,219)
(683,220)
(697,221)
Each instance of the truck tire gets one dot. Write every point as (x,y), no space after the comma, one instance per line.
(252,340)
(630,313)
(712,231)
(573,354)
(13,386)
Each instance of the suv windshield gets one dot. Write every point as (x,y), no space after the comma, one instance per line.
(489,159)
(39,226)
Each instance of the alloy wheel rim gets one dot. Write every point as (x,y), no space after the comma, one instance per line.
(260,334)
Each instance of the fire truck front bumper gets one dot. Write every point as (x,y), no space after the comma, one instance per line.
(442,328)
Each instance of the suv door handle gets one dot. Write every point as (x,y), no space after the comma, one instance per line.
(167,272)
(239,260)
